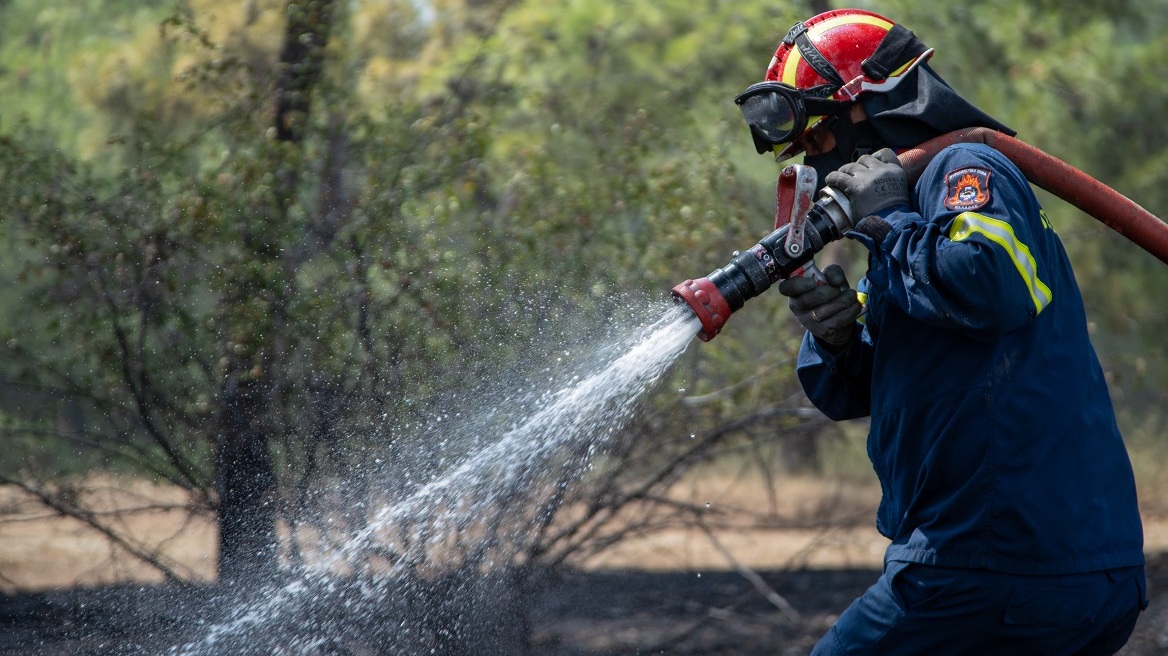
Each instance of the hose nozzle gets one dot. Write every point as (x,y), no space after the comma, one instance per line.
(751,272)
(707,303)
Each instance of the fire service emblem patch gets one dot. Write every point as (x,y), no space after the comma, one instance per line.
(969,189)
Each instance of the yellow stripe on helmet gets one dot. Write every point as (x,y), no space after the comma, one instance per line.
(794,56)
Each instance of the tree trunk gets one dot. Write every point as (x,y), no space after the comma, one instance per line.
(244,473)
(246,486)
(301,63)
(818,7)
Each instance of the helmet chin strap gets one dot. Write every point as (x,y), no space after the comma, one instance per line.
(852,140)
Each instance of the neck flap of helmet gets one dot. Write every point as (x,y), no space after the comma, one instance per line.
(898,49)
(914,104)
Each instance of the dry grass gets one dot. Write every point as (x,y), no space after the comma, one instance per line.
(40,550)
(794,522)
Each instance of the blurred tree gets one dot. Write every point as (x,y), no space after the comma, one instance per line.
(217,298)
(287,227)
(257,308)
(263,269)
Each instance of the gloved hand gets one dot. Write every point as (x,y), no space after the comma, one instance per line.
(828,311)
(871,183)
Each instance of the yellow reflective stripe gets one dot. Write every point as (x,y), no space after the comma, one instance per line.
(863,298)
(1002,234)
(789,66)
(900,71)
(847,19)
(793,55)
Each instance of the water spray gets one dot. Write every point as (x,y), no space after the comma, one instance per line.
(802,229)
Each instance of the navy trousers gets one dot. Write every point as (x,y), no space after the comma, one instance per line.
(920,609)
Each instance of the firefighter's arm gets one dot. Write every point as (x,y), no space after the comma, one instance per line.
(969,260)
(838,381)
(833,365)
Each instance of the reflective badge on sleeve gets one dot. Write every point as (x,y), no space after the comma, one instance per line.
(969,189)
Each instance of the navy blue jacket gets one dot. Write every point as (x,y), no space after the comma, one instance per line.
(992,429)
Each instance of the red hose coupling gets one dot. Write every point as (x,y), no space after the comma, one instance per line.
(703,297)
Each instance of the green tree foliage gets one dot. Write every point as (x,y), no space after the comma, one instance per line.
(214,275)
(465,185)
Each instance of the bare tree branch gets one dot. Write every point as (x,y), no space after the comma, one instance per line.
(66,509)
(750,575)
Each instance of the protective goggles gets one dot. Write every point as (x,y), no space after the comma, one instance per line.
(777,113)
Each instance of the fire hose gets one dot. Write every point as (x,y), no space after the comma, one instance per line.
(789,250)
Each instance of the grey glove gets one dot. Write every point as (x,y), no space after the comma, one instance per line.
(828,311)
(871,183)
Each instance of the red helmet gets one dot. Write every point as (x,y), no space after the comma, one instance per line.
(835,56)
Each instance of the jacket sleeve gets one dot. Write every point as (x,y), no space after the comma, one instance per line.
(970,259)
(839,385)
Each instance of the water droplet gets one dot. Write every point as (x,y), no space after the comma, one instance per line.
(568,425)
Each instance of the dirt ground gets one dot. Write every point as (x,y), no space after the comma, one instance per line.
(64,592)
(721,613)
(577,613)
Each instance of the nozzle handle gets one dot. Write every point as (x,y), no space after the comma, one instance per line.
(811,270)
(753,271)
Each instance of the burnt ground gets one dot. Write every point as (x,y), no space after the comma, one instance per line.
(574,613)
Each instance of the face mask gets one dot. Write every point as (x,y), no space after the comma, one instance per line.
(852,140)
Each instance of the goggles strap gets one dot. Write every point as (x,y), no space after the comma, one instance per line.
(797,37)
(820,92)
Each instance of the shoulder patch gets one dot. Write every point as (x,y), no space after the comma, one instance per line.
(968,189)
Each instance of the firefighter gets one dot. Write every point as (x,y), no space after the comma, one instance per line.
(1008,495)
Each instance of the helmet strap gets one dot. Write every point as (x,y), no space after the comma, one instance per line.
(853,140)
(797,37)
